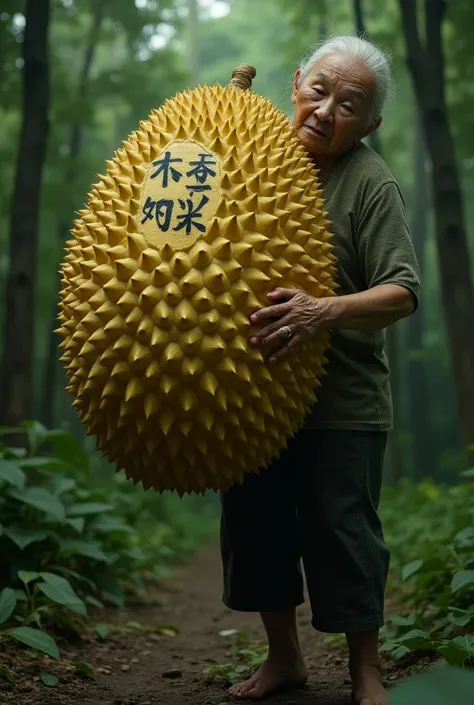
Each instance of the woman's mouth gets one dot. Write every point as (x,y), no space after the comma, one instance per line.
(316,131)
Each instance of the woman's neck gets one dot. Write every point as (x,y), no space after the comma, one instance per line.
(325,164)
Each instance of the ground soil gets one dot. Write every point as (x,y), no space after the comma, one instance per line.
(150,668)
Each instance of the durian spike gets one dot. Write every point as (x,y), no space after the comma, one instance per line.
(210,204)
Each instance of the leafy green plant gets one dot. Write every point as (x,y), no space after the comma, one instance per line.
(438,686)
(245,655)
(433,570)
(75,535)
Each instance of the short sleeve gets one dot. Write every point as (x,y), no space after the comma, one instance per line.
(385,248)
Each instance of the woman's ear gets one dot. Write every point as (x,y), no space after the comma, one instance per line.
(296,83)
(373,126)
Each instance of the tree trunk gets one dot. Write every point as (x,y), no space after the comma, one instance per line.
(426,65)
(395,458)
(418,409)
(193,39)
(19,333)
(323,18)
(359,18)
(76,134)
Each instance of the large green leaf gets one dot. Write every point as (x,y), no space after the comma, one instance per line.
(68,449)
(466,642)
(39,461)
(400,620)
(455,654)
(77,523)
(49,679)
(84,668)
(438,686)
(11,472)
(114,594)
(14,452)
(37,434)
(417,639)
(41,499)
(107,523)
(77,576)
(7,604)
(465,537)
(23,536)
(27,576)
(64,484)
(462,579)
(103,630)
(411,569)
(59,590)
(90,549)
(88,508)
(10,431)
(36,639)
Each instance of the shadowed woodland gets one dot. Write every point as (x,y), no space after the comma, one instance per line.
(93,568)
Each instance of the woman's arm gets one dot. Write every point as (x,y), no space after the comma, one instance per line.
(373,309)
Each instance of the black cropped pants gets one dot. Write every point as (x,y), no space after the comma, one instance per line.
(318,502)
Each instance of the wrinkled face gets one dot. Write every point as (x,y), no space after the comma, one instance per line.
(332,105)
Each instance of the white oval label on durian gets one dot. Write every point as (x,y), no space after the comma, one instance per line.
(180,195)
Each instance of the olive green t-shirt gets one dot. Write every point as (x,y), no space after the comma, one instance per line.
(373,246)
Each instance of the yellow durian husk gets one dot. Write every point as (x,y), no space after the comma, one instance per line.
(155,320)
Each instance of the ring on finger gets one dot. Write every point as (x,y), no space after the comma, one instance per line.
(285,332)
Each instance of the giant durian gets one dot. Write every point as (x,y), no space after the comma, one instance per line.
(208,206)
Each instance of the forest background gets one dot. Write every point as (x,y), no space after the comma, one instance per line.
(76,77)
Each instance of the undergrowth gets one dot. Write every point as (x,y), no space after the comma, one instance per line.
(430,530)
(75,536)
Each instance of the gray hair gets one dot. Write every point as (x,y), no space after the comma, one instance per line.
(376,60)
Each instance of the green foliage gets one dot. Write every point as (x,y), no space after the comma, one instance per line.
(139,56)
(438,686)
(246,657)
(433,569)
(49,679)
(72,540)
(430,530)
(130,73)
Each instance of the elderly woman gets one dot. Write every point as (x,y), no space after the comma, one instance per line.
(319,500)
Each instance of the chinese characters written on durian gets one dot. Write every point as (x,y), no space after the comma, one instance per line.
(180,194)
(197,176)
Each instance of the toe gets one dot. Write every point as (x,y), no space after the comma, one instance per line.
(255,691)
(242,690)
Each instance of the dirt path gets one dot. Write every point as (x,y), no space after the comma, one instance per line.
(138,665)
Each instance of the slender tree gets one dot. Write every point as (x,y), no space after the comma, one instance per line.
(427,69)
(393,343)
(16,387)
(76,136)
(418,409)
(193,41)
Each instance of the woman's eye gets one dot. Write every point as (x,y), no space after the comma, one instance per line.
(348,108)
(319,91)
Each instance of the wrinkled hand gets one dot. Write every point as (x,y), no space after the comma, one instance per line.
(302,314)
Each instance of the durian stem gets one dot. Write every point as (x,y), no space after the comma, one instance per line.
(242,76)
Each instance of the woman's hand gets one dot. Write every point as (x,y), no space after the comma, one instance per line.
(298,317)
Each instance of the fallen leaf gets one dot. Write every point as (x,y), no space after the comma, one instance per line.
(166,630)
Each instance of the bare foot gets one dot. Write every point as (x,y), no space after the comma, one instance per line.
(368,687)
(274,674)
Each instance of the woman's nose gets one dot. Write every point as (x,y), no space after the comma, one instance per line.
(324,112)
